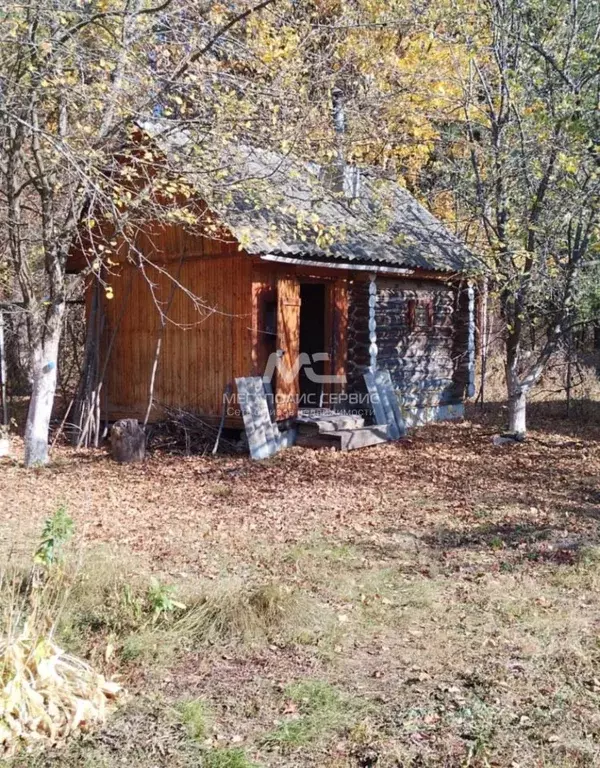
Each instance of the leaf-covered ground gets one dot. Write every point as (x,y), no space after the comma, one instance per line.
(431,602)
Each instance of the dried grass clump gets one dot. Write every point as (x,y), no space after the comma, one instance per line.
(236,612)
(46,694)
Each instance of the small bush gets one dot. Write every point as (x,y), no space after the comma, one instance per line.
(195,716)
(57,531)
(161,599)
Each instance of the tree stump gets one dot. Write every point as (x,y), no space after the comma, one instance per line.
(127,441)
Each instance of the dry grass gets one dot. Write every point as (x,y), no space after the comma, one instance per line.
(46,695)
(232,611)
(316,710)
(552,386)
(431,604)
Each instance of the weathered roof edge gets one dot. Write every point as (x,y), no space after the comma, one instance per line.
(414,239)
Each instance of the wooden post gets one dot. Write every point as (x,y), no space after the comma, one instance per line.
(288,341)
(372,322)
(484,333)
(3,371)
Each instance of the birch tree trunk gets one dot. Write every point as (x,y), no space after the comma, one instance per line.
(44,360)
(517,411)
(517,390)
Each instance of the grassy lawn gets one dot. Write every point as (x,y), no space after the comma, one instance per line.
(429,603)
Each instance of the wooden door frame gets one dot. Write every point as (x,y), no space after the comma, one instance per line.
(335,330)
(265,283)
(288,340)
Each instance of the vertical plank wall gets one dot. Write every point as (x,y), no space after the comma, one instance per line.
(205,290)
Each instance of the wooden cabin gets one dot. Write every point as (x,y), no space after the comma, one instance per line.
(361,276)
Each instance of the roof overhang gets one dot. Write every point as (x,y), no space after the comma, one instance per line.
(376,268)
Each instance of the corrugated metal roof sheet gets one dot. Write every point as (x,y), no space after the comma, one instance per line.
(276,203)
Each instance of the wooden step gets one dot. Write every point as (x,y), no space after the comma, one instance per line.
(345,439)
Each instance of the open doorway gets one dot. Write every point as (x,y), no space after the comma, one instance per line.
(312,342)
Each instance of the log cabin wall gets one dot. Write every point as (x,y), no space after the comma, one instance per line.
(415,338)
(421,338)
(358,335)
(204,289)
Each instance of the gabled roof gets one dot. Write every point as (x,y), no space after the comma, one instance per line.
(276,204)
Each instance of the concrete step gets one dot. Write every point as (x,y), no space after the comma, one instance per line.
(362,437)
(316,440)
(345,439)
(327,422)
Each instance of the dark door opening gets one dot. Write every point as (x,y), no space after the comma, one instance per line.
(312,342)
